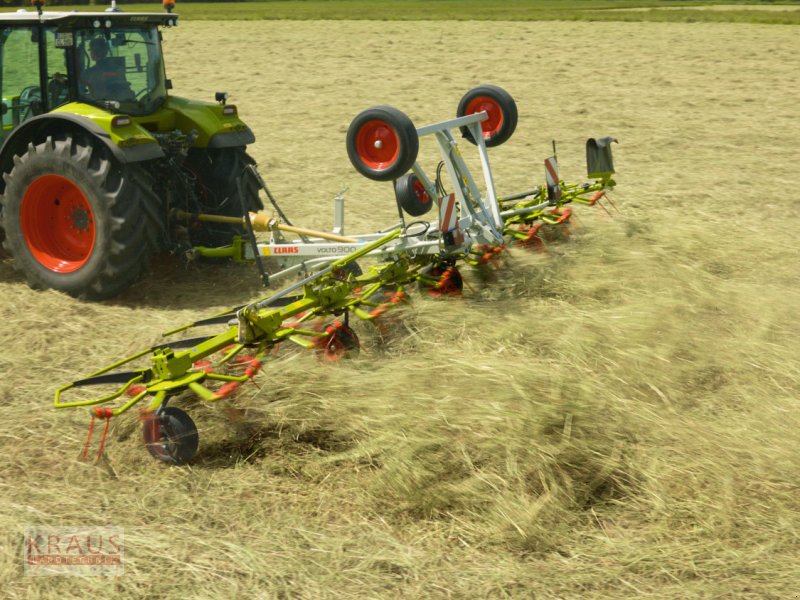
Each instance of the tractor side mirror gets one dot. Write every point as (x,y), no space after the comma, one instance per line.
(599,161)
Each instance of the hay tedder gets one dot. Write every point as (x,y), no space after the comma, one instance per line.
(343,277)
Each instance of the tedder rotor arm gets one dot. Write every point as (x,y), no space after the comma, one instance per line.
(259,325)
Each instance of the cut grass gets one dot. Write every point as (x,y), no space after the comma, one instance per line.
(615,418)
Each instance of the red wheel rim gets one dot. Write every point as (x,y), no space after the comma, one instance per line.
(492,125)
(153,438)
(419,190)
(340,343)
(377,144)
(335,349)
(57,223)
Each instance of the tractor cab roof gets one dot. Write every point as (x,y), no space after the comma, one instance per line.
(79,20)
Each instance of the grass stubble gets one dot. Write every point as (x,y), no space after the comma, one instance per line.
(614,418)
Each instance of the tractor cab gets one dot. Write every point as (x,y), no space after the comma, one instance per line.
(111,60)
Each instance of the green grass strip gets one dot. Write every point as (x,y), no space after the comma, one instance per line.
(462,10)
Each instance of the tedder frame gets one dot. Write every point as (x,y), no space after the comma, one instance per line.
(314,313)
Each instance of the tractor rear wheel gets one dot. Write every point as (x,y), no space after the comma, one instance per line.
(77,221)
(223,181)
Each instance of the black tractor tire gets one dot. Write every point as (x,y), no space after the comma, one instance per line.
(77,221)
(222,178)
(499,105)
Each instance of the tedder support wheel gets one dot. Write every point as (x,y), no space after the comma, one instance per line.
(352,268)
(382,143)
(341,342)
(411,195)
(499,106)
(77,221)
(442,281)
(222,179)
(171,436)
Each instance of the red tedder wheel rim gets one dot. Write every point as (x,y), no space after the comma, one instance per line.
(382,143)
(412,195)
(419,190)
(341,342)
(57,223)
(501,112)
(492,125)
(377,144)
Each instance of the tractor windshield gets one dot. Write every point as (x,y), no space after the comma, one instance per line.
(121,66)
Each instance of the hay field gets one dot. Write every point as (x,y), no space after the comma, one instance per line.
(614,419)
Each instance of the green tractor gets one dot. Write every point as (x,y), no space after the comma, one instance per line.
(97,157)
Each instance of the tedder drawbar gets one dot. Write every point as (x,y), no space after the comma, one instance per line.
(471,226)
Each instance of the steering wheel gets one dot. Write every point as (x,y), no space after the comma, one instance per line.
(30,99)
(57,89)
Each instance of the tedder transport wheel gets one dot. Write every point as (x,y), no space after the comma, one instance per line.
(500,107)
(382,143)
(218,171)
(171,436)
(411,195)
(77,221)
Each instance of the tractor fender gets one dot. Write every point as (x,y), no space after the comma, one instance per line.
(214,129)
(40,125)
(230,140)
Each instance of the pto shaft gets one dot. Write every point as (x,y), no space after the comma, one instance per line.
(262,222)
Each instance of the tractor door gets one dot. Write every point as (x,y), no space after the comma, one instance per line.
(21,79)
(19,75)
